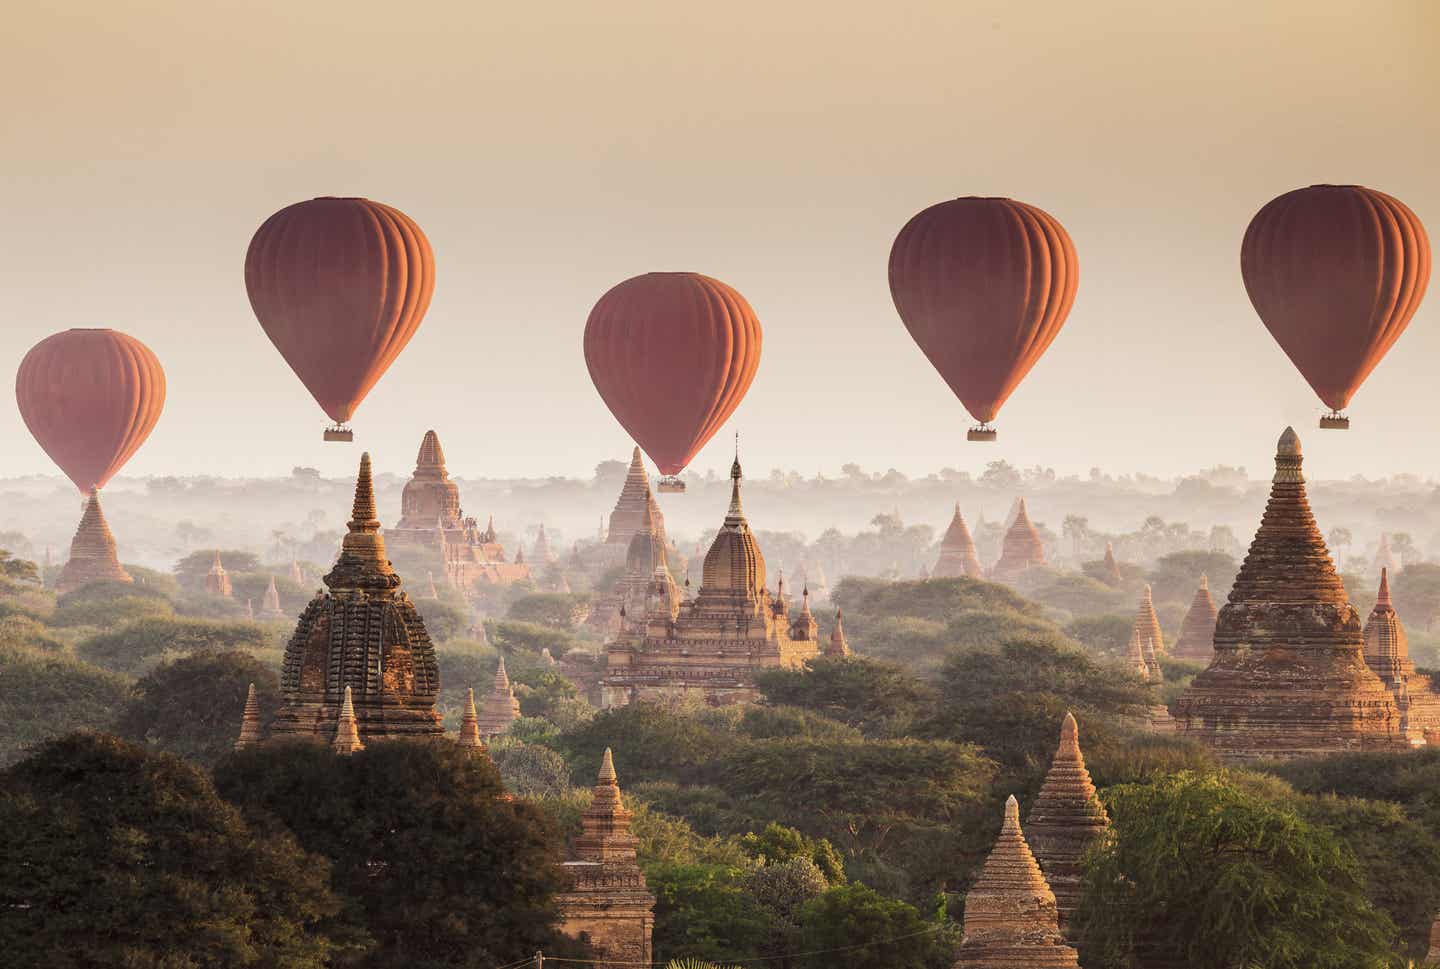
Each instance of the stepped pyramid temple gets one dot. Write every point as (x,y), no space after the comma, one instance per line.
(607,902)
(1065,820)
(1146,635)
(1197,633)
(1022,548)
(92,552)
(431,518)
(1387,653)
(360,635)
(1110,569)
(711,645)
(1011,921)
(501,709)
(645,557)
(1288,678)
(217,580)
(627,517)
(957,552)
(270,605)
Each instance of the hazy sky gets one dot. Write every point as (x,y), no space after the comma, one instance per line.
(551,150)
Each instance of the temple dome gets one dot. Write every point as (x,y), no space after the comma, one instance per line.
(647,545)
(734,564)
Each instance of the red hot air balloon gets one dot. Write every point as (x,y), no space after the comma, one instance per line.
(984,286)
(91,398)
(1335,272)
(340,285)
(672,355)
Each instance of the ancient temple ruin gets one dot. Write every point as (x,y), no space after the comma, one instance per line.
(217,580)
(360,635)
(1147,638)
(92,552)
(1387,653)
(1288,678)
(957,552)
(836,646)
(1110,569)
(712,645)
(270,605)
(1022,548)
(501,708)
(1065,820)
(1196,641)
(607,903)
(627,518)
(647,552)
(1011,920)
(431,519)
(470,737)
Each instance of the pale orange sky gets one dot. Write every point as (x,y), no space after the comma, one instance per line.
(550,151)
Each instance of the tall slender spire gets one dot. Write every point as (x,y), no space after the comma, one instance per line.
(1196,641)
(1111,569)
(470,726)
(1065,820)
(270,604)
(501,708)
(735,515)
(605,826)
(249,721)
(837,646)
(363,563)
(347,731)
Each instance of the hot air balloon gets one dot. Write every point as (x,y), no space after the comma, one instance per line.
(1335,272)
(90,398)
(984,286)
(672,355)
(340,285)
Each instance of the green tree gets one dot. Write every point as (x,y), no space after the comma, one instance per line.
(659,742)
(192,706)
(1107,635)
(1202,873)
(109,604)
(438,867)
(1176,576)
(115,857)
(855,927)
(43,694)
(777,844)
(864,693)
(703,911)
(16,573)
(512,636)
(563,611)
(1417,594)
(141,642)
(444,620)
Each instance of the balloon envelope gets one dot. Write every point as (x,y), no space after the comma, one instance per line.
(1335,273)
(984,286)
(90,398)
(339,285)
(672,355)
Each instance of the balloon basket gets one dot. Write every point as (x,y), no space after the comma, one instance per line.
(339,433)
(670,485)
(982,433)
(1335,421)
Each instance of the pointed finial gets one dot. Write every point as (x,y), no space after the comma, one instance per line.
(1289,443)
(1148,596)
(1382,599)
(347,732)
(607,769)
(1012,815)
(1205,581)
(363,512)
(470,725)
(1069,735)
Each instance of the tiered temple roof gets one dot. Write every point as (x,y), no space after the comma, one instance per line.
(607,900)
(362,634)
(1022,548)
(646,554)
(217,580)
(957,552)
(1147,635)
(1010,915)
(629,513)
(431,518)
(470,737)
(1288,678)
(501,709)
(710,645)
(92,552)
(1065,820)
(1196,641)
(1387,652)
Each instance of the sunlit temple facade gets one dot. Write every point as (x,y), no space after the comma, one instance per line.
(709,646)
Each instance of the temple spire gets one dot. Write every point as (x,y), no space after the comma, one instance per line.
(501,709)
(957,552)
(1197,631)
(735,515)
(837,646)
(249,721)
(470,726)
(1065,820)
(1382,598)
(347,732)
(363,563)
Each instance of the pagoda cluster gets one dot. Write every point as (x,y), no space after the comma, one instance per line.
(1022,549)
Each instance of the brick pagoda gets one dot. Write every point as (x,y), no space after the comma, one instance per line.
(92,552)
(1065,820)
(957,552)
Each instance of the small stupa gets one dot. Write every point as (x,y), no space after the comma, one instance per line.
(1387,653)
(217,580)
(1432,958)
(1110,569)
(607,901)
(270,605)
(297,574)
(1147,631)
(470,737)
(361,635)
(92,552)
(501,708)
(1011,921)
(541,554)
(1022,548)
(836,646)
(957,552)
(1288,678)
(347,733)
(1196,641)
(249,721)
(1065,820)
